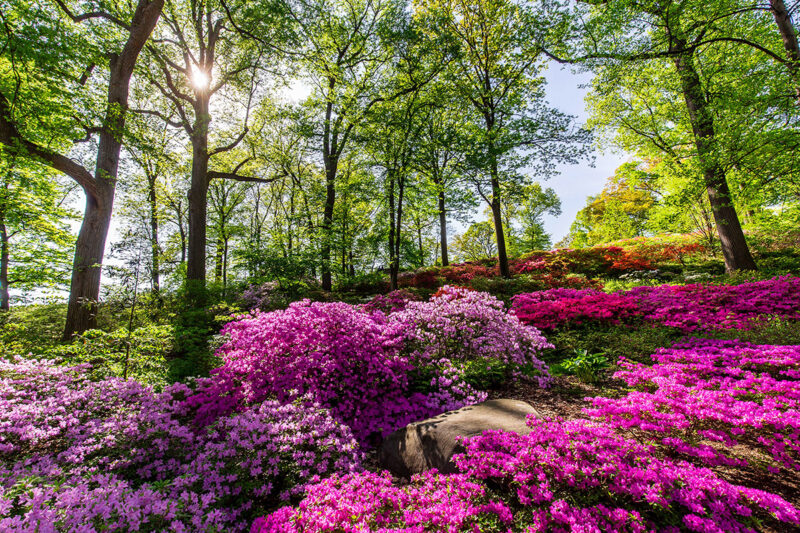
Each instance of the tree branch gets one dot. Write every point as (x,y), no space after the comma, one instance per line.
(92,15)
(16,143)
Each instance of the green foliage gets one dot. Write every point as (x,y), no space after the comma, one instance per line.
(586,366)
(145,348)
(194,333)
(613,341)
(31,329)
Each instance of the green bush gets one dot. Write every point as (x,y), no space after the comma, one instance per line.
(586,366)
(145,348)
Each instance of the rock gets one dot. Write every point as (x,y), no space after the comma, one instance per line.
(432,443)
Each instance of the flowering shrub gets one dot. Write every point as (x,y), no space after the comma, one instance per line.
(563,476)
(598,260)
(393,301)
(704,306)
(113,455)
(663,248)
(686,307)
(355,363)
(370,502)
(560,307)
(56,415)
(461,325)
(566,474)
(247,460)
(345,358)
(703,397)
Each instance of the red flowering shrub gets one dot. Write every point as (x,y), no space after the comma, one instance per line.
(686,307)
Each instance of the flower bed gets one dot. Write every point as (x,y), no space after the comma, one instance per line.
(685,307)
(563,476)
(113,455)
(704,397)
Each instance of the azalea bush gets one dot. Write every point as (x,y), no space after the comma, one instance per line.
(704,397)
(462,324)
(356,361)
(345,358)
(566,474)
(113,455)
(684,307)
(371,502)
(563,476)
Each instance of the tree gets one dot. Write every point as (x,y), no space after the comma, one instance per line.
(621,211)
(498,69)
(200,55)
(34,234)
(715,59)
(36,77)
(523,215)
(441,154)
(345,46)
(477,243)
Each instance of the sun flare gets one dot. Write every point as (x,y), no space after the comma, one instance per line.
(199,78)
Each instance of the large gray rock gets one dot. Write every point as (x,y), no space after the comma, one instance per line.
(432,443)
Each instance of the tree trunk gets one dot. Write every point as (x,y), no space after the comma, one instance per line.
(392,270)
(225,266)
(497,216)
(5,303)
(90,245)
(87,266)
(443,227)
(155,249)
(218,259)
(789,37)
(735,251)
(331,164)
(198,208)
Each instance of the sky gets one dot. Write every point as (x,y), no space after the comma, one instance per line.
(575,182)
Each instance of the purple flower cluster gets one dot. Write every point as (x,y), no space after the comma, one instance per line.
(686,307)
(563,476)
(370,502)
(577,475)
(356,363)
(704,397)
(462,325)
(114,455)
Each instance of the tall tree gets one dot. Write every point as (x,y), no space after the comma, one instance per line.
(498,69)
(701,44)
(32,74)
(200,55)
(347,50)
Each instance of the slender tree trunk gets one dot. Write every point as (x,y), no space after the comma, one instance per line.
(398,230)
(90,245)
(789,37)
(497,215)
(392,230)
(443,225)
(155,249)
(419,242)
(327,221)
(5,303)
(225,266)
(218,260)
(735,251)
(198,208)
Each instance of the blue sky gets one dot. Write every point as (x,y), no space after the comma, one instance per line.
(575,182)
